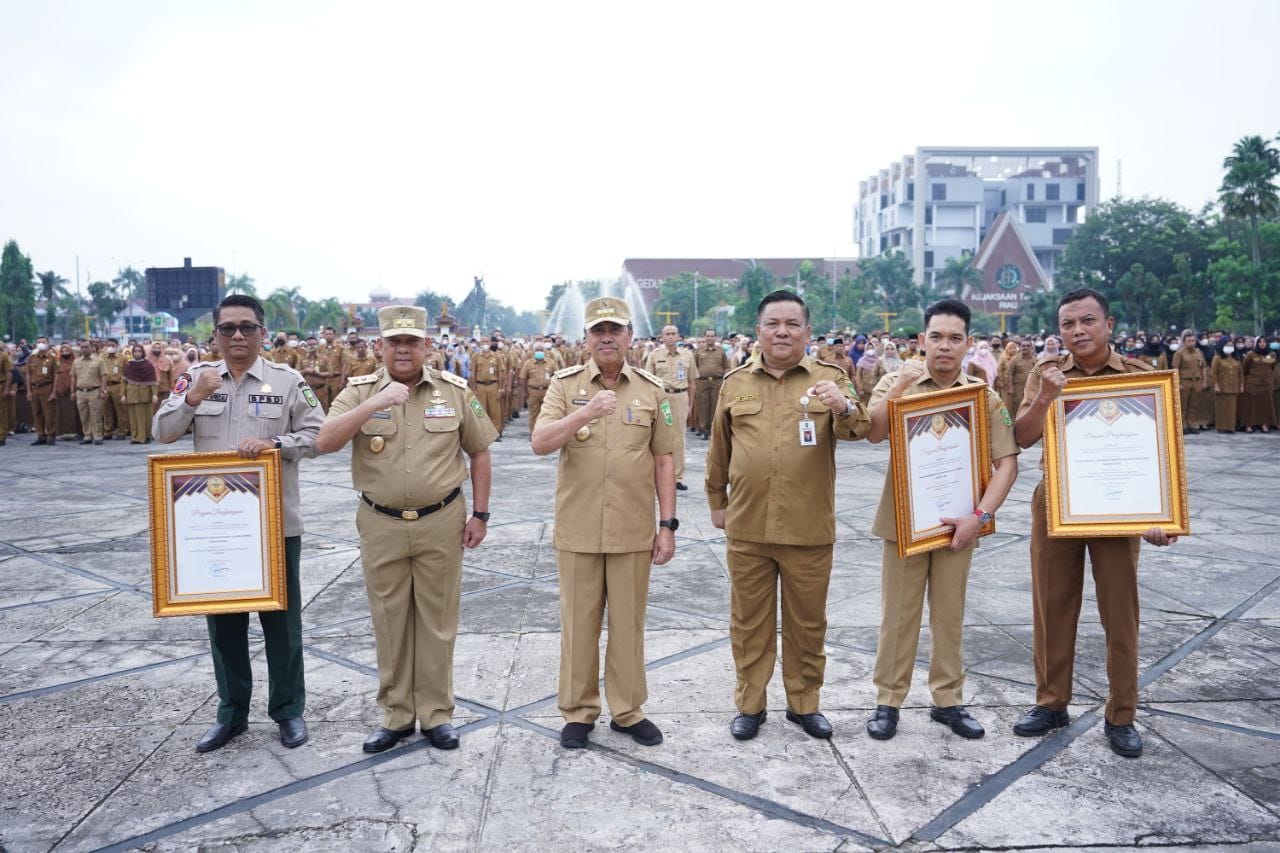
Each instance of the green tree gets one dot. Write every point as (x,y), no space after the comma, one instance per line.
(106,304)
(242,283)
(958,274)
(756,283)
(1191,297)
(278,309)
(1039,314)
(130,284)
(1139,291)
(1249,192)
(51,287)
(432,301)
(891,282)
(17,294)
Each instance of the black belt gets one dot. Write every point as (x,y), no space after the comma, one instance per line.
(710,378)
(94,388)
(413,514)
(491,382)
(675,390)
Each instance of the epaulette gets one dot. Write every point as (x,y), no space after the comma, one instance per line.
(825,363)
(452,378)
(647,375)
(363,380)
(734,370)
(569,371)
(281,365)
(1135,362)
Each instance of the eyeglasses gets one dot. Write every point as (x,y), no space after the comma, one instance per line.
(228,330)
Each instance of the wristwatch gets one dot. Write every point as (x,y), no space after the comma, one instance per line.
(982,515)
(672,524)
(483,516)
(279,445)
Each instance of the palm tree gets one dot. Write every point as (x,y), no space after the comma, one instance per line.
(242,284)
(1249,192)
(278,308)
(958,274)
(50,288)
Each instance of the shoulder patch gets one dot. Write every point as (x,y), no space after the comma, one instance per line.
(453,378)
(737,369)
(569,371)
(1138,363)
(647,375)
(363,380)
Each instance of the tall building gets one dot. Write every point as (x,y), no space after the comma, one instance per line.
(185,292)
(1043,194)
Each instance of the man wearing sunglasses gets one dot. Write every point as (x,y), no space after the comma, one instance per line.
(246,404)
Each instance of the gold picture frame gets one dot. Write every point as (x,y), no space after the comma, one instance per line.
(217,533)
(963,406)
(1128,427)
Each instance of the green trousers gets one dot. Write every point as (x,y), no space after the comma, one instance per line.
(282,630)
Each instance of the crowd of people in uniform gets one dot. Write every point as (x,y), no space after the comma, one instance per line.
(619,412)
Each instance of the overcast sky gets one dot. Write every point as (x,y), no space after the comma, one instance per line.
(342,146)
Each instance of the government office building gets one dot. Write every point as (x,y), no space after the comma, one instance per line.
(1013,209)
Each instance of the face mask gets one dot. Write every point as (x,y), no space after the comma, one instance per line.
(293,344)
(41,347)
(1204,342)
(902,348)
(66,353)
(111,350)
(1228,350)
(1275,345)
(538,356)
(1173,347)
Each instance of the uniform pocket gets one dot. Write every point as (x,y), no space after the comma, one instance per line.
(741,408)
(637,431)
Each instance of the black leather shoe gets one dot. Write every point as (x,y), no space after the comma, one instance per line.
(293,733)
(1124,740)
(38,442)
(1040,720)
(959,720)
(86,441)
(681,487)
(644,732)
(97,441)
(884,723)
(574,735)
(442,736)
(218,736)
(747,726)
(383,739)
(814,725)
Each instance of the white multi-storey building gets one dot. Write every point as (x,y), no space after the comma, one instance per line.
(1047,192)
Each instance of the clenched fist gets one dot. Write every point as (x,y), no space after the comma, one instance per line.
(602,405)
(1052,381)
(393,395)
(207,382)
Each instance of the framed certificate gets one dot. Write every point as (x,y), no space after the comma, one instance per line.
(941,462)
(1113,457)
(217,533)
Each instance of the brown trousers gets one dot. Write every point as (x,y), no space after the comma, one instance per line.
(587,583)
(413,576)
(140,421)
(1224,411)
(115,417)
(903,583)
(755,570)
(1186,396)
(1057,586)
(536,396)
(45,412)
(707,391)
(680,416)
(492,401)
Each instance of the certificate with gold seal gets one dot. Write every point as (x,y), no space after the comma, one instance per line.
(217,533)
(941,461)
(1114,462)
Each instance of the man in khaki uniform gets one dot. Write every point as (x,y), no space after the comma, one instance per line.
(331,357)
(488,373)
(771,485)
(1057,565)
(6,391)
(360,362)
(535,378)
(412,427)
(712,363)
(115,417)
(88,386)
(42,368)
(615,431)
(1018,370)
(676,369)
(944,574)
(1193,376)
(281,352)
(838,355)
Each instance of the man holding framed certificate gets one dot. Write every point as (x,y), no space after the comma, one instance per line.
(1057,562)
(934,483)
(249,405)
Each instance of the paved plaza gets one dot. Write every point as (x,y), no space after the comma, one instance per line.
(101,704)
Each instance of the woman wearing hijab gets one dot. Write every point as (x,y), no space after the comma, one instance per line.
(140,383)
(1004,382)
(1202,399)
(68,418)
(1228,383)
(867,371)
(983,364)
(1259,365)
(1154,354)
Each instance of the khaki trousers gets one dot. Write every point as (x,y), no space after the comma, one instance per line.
(413,575)
(6,407)
(1057,584)
(140,421)
(492,401)
(45,412)
(115,417)
(680,418)
(754,572)
(903,583)
(708,391)
(1186,396)
(89,404)
(536,396)
(587,583)
(332,388)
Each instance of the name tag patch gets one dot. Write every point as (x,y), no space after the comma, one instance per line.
(382,416)
(581,402)
(441,412)
(266,399)
(218,398)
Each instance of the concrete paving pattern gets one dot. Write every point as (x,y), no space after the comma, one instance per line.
(101,704)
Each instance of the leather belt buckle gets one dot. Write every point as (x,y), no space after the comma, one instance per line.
(409,514)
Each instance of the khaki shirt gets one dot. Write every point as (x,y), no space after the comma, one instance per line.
(1019,369)
(1190,364)
(6,371)
(537,374)
(488,367)
(1000,440)
(284,355)
(1228,374)
(42,367)
(90,373)
(269,403)
(1257,371)
(605,494)
(676,370)
(435,360)
(776,490)
(330,358)
(357,366)
(113,367)
(712,362)
(411,455)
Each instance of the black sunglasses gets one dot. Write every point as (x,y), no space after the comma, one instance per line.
(228,330)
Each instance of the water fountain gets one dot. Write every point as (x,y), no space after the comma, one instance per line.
(566,316)
(640,323)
